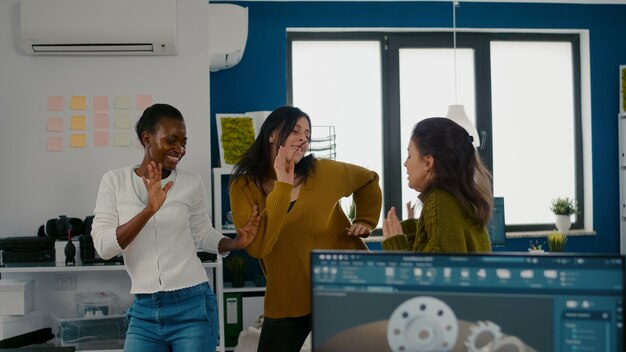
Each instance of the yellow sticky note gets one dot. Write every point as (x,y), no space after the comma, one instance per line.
(121,139)
(55,103)
(78,122)
(122,102)
(55,144)
(55,124)
(78,140)
(101,138)
(122,120)
(101,103)
(78,102)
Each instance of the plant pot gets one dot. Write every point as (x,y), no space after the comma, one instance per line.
(238,281)
(563,223)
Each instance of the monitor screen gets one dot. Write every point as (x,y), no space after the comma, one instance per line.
(496,226)
(398,301)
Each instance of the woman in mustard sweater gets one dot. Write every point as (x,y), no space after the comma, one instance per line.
(455,190)
(298,198)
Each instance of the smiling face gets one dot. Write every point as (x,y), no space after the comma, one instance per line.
(419,168)
(297,142)
(167,145)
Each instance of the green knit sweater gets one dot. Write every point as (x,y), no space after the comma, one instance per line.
(285,239)
(443,227)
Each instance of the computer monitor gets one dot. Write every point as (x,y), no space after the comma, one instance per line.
(497,226)
(398,301)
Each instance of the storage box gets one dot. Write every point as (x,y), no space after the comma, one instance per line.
(93,333)
(21,324)
(90,304)
(17,297)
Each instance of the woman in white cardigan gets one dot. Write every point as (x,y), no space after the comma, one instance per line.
(157,216)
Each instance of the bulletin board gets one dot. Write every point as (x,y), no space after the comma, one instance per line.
(67,120)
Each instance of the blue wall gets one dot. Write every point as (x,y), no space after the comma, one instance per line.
(259,81)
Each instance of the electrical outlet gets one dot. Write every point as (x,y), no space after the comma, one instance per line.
(65,282)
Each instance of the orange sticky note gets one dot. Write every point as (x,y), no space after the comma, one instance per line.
(101,120)
(78,122)
(122,102)
(143,101)
(55,103)
(78,140)
(101,138)
(55,144)
(55,124)
(78,102)
(101,103)
(121,139)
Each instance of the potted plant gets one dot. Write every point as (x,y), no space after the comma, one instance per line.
(556,241)
(236,266)
(563,208)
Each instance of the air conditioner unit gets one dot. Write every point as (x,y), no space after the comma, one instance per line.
(98,27)
(228,32)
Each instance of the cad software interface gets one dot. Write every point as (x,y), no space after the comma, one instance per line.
(413,302)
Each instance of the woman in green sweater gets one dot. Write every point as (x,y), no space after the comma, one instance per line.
(455,191)
(298,199)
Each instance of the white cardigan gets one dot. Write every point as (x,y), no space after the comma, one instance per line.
(163,255)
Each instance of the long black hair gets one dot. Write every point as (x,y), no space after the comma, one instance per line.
(458,167)
(256,162)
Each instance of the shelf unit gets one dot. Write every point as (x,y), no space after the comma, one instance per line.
(43,281)
(220,191)
(621,128)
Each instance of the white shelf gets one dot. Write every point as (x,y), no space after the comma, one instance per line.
(249,287)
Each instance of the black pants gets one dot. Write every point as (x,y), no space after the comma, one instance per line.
(284,334)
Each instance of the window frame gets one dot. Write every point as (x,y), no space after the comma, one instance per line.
(392,42)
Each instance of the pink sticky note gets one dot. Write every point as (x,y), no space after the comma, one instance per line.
(101,103)
(143,101)
(55,103)
(101,138)
(55,124)
(55,144)
(101,120)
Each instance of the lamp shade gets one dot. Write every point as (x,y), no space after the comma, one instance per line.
(457,114)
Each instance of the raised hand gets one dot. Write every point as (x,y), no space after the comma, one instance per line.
(391,224)
(246,234)
(284,166)
(410,210)
(358,229)
(156,194)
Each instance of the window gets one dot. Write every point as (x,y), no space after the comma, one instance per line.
(521,89)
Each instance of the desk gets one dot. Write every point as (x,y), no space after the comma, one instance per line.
(55,285)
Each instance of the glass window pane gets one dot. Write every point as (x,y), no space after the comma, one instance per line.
(533,137)
(427,88)
(338,83)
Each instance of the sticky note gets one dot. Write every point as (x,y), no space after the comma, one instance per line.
(55,144)
(55,124)
(143,101)
(55,103)
(101,138)
(121,139)
(101,120)
(122,120)
(122,102)
(78,102)
(100,103)
(78,122)
(78,140)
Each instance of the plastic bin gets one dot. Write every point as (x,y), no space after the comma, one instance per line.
(92,333)
(90,304)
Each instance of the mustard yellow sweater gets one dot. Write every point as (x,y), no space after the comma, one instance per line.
(442,227)
(285,240)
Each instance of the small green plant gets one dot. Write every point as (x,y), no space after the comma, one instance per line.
(236,265)
(237,137)
(556,241)
(563,206)
(352,211)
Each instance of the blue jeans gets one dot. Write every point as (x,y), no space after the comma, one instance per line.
(181,320)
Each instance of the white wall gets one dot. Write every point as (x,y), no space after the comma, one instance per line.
(36,185)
